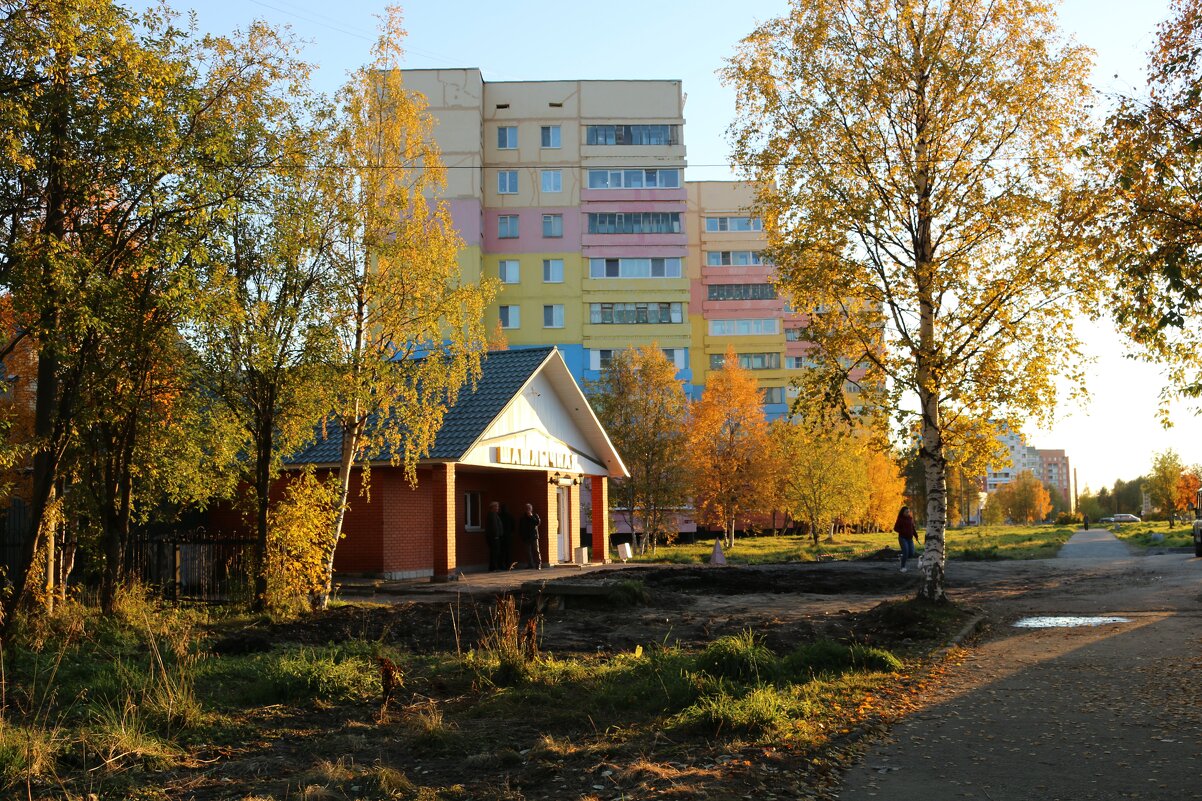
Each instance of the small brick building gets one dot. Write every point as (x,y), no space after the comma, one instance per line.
(525,434)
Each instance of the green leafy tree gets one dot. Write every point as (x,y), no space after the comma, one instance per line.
(1161,483)
(643,406)
(824,473)
(1147,176)
(265,341)
(912,172)
(116,157)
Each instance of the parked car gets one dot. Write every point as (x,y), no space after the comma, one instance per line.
(1105,519)
(1126,518)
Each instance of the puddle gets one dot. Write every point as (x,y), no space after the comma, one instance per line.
(1065,621)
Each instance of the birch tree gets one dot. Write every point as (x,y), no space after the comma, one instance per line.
(408,331)
(642,404)
(914,174)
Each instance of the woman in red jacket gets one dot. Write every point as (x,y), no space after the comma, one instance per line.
(906,535)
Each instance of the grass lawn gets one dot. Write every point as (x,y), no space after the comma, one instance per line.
(1144,535)
(973,542)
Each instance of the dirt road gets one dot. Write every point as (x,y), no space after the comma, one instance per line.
(1083,713)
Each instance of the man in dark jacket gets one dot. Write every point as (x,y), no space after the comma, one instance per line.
(528,528)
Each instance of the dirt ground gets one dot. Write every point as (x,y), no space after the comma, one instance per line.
(1016,714)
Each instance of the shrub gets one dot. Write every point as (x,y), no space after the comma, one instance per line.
(739,657)
(830,657)
(762,711)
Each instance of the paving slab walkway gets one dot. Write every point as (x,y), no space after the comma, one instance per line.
(1090,713)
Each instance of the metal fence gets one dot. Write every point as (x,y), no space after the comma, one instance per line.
(182,561)
(192,564)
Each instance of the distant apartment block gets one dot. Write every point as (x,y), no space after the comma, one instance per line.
(1049,466)
(572,194)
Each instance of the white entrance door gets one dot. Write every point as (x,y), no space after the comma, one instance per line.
(561,503)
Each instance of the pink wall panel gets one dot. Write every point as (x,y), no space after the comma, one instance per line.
(622,195)
(530,231)
(465,214)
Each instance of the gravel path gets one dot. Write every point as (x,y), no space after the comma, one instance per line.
(1085,713)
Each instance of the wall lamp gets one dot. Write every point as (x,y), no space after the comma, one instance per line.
(562,480)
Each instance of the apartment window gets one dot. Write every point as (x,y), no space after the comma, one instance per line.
(507,137)
(748,361)
(732,258)
(473,521)
(600,359)
(634,179)
(633,135)
(553,316)
(635,313)
(552,226)
(720,224)
(550,136)
(676,356)
(747,327)
(509,271)
(634,268)
(507,182)
(742,292)
(794,335)
(552,180)
(801,363)
(772,395)
(552,271)
(511,316)
(644,222)
(507,226)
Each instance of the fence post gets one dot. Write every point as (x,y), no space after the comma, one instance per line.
(175,570)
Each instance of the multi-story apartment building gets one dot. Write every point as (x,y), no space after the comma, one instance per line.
(1049,466)
(734,303)
(1054,472)
(572,193)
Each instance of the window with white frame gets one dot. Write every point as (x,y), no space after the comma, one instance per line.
(552,180)
(668,267)
(747,327)
(635,313)
(507,137)
(552,271)
(553,315)
(721,224)
(634,179)
(509,272)
(549,136)
(473,520)
(748,361)
(507,226)
(552,226)
(511,316)
(732,258)
(507,182)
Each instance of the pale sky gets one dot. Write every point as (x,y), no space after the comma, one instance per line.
(1113,437)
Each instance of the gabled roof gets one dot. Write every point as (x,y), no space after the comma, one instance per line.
(504,374)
